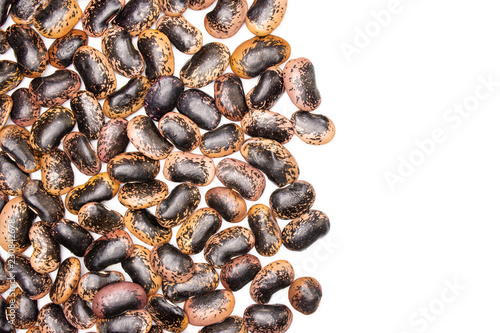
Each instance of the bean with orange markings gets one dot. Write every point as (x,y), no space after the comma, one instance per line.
(157,52)
(91,282)
(171,264)
(35,285)
(17,218)
(111,248)
(230,97)
(228,203)
(137,321)
(178,205)
(293,200)
(10,75)
(142,195)
(145,226)
(138,267)
(57,173)
(305,230)
(268,124)
(81,153)
(14,140)
(57,18)
(313,128)
(112,139)
(195,232)
(173,7)
(162,97)
(266,318)
(95,71)
(50,128)
(210,308)
(272,278)
(226,19)
(99,219)
(206,65)
(117,298)
(63,49)
(51,319)
(181,131)
(23,311)
(88,113)
(117,46)
(167,315)
(128,99)
(128,18)
(266,230)
(46,255)
(78,313)
(268,90)
(187,167)
(29,49)
(222,141)
(264,16)
(24,109)
(305,295)
(239,272)
(232,324)
(227,244)
(132,167)
(200,108)
(241,177)
(66,281)
(97,14)
(145,136)
(48,207)
(182,34)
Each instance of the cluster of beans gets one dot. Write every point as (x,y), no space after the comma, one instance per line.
(119,305)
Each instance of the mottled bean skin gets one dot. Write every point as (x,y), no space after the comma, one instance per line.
(12,178)
(137,16)
(210,308)
(268,90)
(222,141)
(144,225)
(78,313)
(206,65)
(4,10)
(4,44)
(178,205)
(272,278)
(266,230)
(66,281)
(162,96)
(25,310)
(226,19)
(171,264)
(128,99)
(91,282)
(272,158)
(82,154)
(200,4)
(173,7)
(5,325)
(306,229)
(6,104)
(305,295)
(265,15)
(241,177)
(72,236)
(193,235)
(17,217)
(300,84)
(144,135)
(230,97)
(292,201)
(50,128)
(51,320)
(117,47)
(14,140)
(182,34)
(133,167)
(4,282)
(200,108)
(232,324)
(112,139)
(95,70)
(55,89)
(187,167)
(24,109)
(29,49)
(10,75)
(135,321)
(88,113)
(63,49)
(228,203)
(167,315)
(227,244)
(23,11)
(34,284)
(142,195)
(252,57)
(57,18)
(48,207)
(117,298)
(313,128)
(57,173)
(239,272)
(97,14)
(99,219)
(265,318)
(204,281)
(181,131)
(157,53)
(138,267)
(46,255)
(109,249)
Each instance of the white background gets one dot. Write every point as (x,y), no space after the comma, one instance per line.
(394,251)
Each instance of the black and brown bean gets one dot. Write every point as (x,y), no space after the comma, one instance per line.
(167,315)
(98,188)
(46,255)
(157,53)
(91,282)
(227,244)
(112,139)
(193,235)
(111,248)
(4,278)
(300,84)
(162,97)
(137,16)
(4,44)
(51,319)
(305,295)
(204,281)
(4,10)
(78,313)
(264,16)
(15,223)
(179,130)
(306,229)
(35,285)
(95,71)
(14,141)
(81,153)
(200,4)
(136,321)
(230,97)
(117,47)
(66,281)
(48,207)
(211,308)
(128,99)
(50,128)
(99,219)
(88,113)
(10,75)
(226,18)
(173,7)
(271,278)
(55,89)
(57,173)
(178,205)
(184,36)
(72,236)
(293,200)
(12,178)
(200,108)
(5,322)
(145,136)
(312,128)
(57,18)
(23,11)
(24,109)
(241,177)
(62,50)
(266,230)
(138,267)
(117,298)
(222,141)
(228,203)
(132,167)
(232,324)
(97,14)
(183,167)
(268,90)
(23,311)
(266,318)
(142,195)
(4,198)
(252,57)
(206,65)
(6,105)
(239,272)
(144,225)
(34,329)
(171,264)
(29,49)
(272,158)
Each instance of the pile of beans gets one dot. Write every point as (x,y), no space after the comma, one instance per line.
(162,134)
